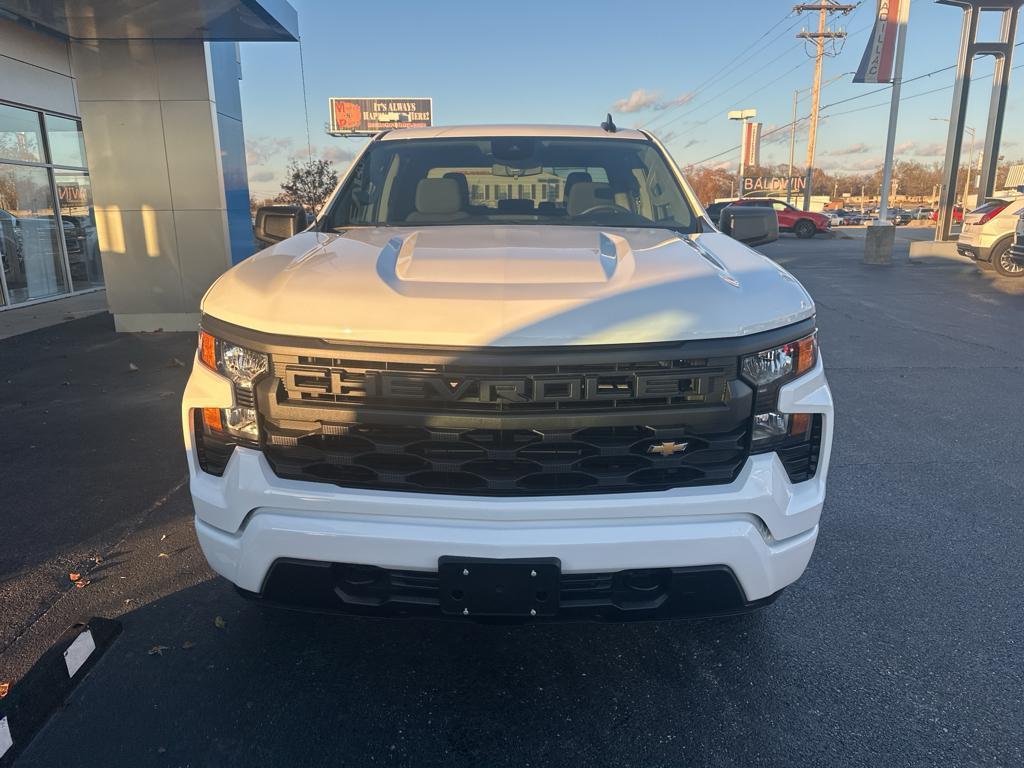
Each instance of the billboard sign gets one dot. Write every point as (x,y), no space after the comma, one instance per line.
(369,116)
(876,63)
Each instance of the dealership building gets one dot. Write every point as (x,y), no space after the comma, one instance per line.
(122,157)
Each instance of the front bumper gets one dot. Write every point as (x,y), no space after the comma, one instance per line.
(761,528)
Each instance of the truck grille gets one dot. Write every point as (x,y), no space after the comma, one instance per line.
(506,462)
(454,386)
(505,422)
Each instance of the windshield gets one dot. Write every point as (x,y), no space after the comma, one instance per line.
(512,180)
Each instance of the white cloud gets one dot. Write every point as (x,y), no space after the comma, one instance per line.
(905,146)
(262,149)
(642,99)
(636,101)
(868,164)
(262,176)
(853,149)
(935,149)
(779,134)
(336,154)
(678,101)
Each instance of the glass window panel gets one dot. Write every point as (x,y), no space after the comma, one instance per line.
(32,260)
(19,135)
(67,147)
(74,194)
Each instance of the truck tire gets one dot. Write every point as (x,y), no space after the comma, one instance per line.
(804,229)
(1001,261)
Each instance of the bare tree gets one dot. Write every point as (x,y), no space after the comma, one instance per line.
(308,183)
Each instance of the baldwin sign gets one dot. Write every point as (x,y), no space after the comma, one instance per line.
(773,184)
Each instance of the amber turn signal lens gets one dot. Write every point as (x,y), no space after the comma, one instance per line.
(212,419)
(799,423)
(208,350)
(806,353)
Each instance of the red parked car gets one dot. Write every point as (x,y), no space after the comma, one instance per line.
(800,223)
(958,214)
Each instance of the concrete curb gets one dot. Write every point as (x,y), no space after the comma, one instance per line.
(31,702)
(932,252)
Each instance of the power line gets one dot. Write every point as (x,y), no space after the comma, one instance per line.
(728,69)
(705,104)
(858,109)
(305,102)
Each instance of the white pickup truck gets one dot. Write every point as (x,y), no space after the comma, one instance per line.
(509,373)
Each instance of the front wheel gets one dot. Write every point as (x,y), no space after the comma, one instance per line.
(804,229)
(1002,262)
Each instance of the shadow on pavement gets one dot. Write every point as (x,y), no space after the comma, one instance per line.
(283,688)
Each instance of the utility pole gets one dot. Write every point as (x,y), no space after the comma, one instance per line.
(792,148)
(824,8)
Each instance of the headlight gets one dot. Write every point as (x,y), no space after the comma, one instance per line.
(243,367)
(781,363)
(767,371)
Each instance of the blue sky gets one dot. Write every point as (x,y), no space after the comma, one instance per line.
(570,61)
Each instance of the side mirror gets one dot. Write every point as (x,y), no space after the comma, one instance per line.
(750,225)
(275,223)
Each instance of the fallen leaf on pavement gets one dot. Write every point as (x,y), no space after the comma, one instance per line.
(163,536)
(74,576)
(219,623)
(158,650)
(163,554)
(97,559)
(4,688)
(133,367)
(82,583)
(188,644)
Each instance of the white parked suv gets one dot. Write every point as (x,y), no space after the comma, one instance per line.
(513,373)
(988,232)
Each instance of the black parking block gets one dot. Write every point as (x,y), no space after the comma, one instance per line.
(47,685)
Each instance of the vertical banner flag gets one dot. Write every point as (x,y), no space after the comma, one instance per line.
(876,64)
(751,145)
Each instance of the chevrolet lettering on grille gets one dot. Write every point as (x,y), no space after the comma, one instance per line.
(554,388)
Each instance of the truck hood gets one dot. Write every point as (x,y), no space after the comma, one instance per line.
(527,285)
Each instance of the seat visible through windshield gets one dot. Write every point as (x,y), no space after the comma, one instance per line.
(512,180)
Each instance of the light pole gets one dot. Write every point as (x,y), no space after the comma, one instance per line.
(742,115)
(970,160)
(792,129)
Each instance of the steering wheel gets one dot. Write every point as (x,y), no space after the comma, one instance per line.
(610,207)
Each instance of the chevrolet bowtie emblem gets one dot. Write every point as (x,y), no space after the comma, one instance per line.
(667,448)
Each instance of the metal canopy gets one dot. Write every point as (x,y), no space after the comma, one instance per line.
(970,47)
(227,20)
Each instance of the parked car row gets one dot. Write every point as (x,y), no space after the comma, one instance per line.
(837,217)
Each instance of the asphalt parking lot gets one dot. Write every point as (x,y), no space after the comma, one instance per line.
(901,645)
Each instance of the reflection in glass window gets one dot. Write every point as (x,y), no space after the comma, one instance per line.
(19,135)
(74,192)
(67,147)
(32,261)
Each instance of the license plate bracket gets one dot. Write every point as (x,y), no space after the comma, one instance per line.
(509,588)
